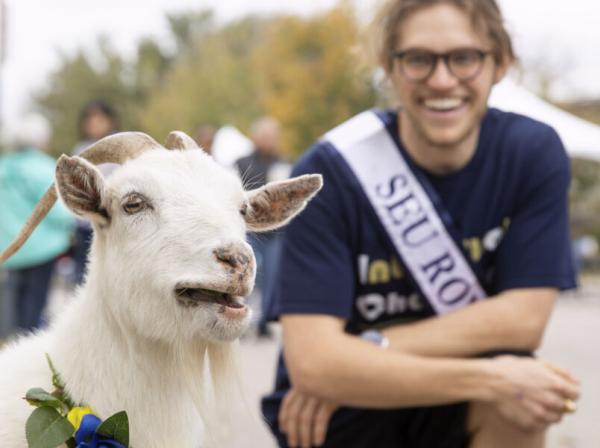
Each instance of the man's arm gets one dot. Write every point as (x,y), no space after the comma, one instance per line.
(326,362)
(513,320)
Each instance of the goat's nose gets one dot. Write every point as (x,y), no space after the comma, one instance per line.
(235,256)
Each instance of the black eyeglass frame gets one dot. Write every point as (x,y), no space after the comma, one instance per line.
(482,54)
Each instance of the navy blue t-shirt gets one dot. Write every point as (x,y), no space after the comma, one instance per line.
(509,211)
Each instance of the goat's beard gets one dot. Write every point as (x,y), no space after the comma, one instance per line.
(218,364)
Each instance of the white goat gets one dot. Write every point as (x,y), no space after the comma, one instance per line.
(169,266)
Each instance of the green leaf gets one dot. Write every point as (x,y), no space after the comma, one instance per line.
(46,428)
(58,384)
(116,427)
(56,381)
(39,397)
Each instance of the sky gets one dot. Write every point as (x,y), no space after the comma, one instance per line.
(561,35)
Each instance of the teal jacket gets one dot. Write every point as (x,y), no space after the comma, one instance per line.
(25,176)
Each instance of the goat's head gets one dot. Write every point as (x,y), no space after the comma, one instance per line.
(169,246)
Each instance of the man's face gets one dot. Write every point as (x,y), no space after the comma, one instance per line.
(267,139)
(441,110)
(97,125)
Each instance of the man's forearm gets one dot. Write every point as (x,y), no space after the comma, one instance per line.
(353,372)
(514,320)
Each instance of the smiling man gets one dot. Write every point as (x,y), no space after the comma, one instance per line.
(439,241)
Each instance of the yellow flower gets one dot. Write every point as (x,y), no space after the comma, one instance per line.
(76,414)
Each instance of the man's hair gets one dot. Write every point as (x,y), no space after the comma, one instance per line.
(485,16)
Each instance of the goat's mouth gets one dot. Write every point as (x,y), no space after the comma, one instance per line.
(192,297)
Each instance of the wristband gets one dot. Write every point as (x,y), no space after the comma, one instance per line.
(376,337)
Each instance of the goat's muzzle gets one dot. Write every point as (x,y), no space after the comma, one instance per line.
(238,262)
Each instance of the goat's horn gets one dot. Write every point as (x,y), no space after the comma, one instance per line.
(40,211)
(116,148)
(180,140)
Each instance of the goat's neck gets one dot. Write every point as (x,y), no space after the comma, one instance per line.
(105,365)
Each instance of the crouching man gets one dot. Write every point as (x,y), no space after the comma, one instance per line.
(440,240)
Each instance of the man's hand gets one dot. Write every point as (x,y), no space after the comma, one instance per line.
(304,419)
(533,394)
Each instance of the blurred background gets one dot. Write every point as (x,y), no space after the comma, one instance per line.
(182,63)
(217,66)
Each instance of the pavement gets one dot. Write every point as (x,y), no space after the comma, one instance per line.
(573,340)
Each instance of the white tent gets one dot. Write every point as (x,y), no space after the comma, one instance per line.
(580,137)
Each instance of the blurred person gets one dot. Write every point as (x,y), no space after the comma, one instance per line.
(25,175)
(441,234)
(97,119)
(264,164)
(204,135)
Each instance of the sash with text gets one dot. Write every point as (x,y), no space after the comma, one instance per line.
(423,243)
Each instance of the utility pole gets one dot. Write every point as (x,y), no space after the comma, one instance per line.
(3,48)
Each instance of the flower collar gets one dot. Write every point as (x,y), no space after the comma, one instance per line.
(57,420)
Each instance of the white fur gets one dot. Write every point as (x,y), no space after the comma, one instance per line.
(124,343)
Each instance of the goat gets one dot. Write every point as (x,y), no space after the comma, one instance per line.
(168,270)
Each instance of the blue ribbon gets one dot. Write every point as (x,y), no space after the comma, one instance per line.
(87,437)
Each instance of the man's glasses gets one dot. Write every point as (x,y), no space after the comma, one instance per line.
(418,65)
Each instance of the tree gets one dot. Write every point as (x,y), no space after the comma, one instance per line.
(78,81)
(190,27)
(102,73)
(585,198)
(299,70)
(309,77)
(216,83)
(151,67)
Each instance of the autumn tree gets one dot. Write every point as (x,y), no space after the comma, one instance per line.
(79,79)
(214,83)
(299,70)
(126,84)
(309,76)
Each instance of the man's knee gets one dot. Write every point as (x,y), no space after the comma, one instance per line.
(477,416)
(488,428)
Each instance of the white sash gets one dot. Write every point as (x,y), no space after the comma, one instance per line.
(422,241)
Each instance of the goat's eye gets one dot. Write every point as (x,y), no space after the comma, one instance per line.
(244,209)
(134,204)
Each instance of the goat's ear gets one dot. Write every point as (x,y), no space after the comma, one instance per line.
(81,187)
(275,204)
